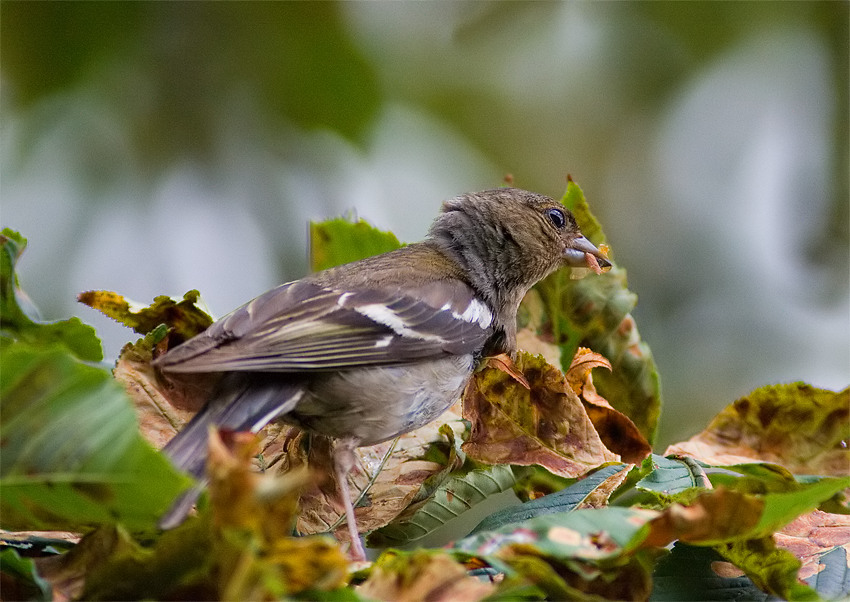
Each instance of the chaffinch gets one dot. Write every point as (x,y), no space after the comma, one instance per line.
(373,349)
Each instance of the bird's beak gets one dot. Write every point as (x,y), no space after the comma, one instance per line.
(576,251)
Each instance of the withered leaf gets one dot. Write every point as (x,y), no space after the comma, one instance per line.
(803,428)
(545,424)
(600,495)
(812,535)
(185,317)
(163,406)
(504,363)
(617,431)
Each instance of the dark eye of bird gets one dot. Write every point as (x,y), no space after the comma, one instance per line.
(557,217)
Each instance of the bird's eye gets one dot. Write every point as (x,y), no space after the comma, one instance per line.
(557,217)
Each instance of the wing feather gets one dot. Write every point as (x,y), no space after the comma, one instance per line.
(302,326)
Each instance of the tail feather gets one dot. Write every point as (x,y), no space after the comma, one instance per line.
(242,402)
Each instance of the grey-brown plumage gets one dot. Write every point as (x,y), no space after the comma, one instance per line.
(373,349)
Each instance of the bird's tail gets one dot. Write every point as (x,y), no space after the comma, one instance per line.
(242,402)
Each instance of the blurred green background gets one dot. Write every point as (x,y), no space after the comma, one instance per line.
(154,147)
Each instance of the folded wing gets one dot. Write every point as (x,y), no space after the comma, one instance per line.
(302,326)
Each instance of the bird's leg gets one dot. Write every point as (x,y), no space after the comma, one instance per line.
(343,463)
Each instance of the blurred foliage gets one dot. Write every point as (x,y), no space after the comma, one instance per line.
(72,456)
(168,64)
(337,241)
(77,337)
(295,56)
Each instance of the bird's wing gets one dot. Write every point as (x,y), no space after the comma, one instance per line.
(302,326)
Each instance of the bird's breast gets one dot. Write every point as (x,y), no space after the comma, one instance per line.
(377,404)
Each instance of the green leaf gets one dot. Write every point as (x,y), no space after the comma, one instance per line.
(669,476)
(338,241)
(594,312)
(529,569)
(453,497)
(72,457)
(565,500)
(757,478)
(568,534)
(832,579)
(781,508)
(687,574)
(75,336)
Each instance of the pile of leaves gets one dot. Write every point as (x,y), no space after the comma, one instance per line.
(754,507)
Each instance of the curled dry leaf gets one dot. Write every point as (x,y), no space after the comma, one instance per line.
(504,363)
(545,424)
(580,368)
(798,426)
(617,431)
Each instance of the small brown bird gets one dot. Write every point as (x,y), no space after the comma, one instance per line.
(367,351)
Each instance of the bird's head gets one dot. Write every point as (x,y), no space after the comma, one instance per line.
(508,239)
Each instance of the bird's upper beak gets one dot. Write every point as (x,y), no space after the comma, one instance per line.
(576,251)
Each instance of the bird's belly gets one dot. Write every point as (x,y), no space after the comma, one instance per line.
(377,404)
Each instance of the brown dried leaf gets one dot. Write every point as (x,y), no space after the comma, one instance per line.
(583,362)
(545,425)
(423,575)
(162,406)
(805,429)
(617,431)
(809,536)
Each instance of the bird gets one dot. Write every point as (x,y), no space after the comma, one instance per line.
(367,351)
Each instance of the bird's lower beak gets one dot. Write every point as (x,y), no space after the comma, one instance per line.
(576,254)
